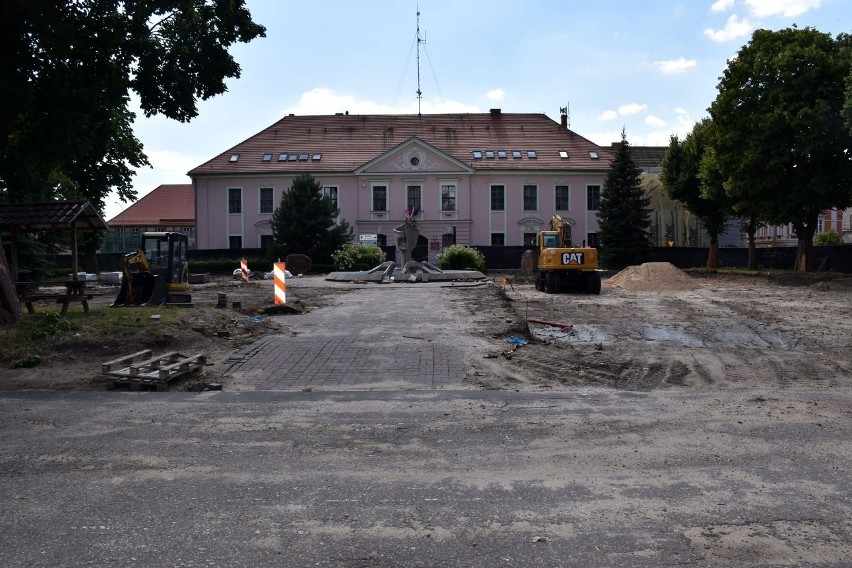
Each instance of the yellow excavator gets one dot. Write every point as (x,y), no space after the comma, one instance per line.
(158,273)
(561,265)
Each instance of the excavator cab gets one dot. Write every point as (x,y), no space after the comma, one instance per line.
(157,273)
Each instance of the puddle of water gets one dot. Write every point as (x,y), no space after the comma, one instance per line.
(671,335)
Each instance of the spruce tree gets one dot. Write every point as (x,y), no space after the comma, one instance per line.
(304,222)
(623,216)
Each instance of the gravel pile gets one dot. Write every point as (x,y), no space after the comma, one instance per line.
(653,277)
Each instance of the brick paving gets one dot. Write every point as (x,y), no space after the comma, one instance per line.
(377,337)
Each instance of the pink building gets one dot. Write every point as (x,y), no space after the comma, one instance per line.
(477,179)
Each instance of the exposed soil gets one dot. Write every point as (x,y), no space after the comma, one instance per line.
(716,330)
(652,327)
(72,359)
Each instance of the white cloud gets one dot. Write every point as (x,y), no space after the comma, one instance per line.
(632,108)
(734,28)
(608,115)
(784,8)
(496,95)
(722,5)
(171,162)
(322,100)
(673,66)
(654,131)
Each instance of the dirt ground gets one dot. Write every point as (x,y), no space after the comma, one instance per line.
(647,330)
(665,328)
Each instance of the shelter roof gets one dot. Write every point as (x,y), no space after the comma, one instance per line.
(492,141)
(168,204)
(50,215)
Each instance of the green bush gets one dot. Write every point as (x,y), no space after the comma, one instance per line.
(50,322)
(355,256)
(827,238)
(461,257)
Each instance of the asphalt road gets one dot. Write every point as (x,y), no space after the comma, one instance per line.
(426,478)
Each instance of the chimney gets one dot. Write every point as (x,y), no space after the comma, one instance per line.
(495,113)
(563,116)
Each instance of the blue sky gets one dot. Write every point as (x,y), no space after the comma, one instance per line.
(649,67)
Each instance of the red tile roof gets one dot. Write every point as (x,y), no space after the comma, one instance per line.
(168,204)
(346,142)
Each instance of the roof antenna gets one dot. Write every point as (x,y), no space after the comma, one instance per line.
(419,41)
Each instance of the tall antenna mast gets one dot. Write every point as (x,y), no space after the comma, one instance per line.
(419,41)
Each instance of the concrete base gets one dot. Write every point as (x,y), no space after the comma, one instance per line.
(413,271)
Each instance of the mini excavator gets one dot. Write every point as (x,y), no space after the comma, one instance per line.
(158,273)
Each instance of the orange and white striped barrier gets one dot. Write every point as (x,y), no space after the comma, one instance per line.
(244,268)
(278,276)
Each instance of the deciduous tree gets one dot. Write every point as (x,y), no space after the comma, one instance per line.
(703,195)
(779,137)
(67,70)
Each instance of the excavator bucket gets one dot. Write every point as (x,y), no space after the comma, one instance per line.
(141,289)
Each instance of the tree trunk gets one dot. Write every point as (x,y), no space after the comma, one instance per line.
(713,254)
(752,250)
(10,307)
(803,253)
(805,235)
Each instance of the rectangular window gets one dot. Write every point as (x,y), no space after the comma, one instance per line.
(266,242)
(530,198)
(412,197)
(529,239)
(593,197)
(498,197)
(235,242)
(266,203)
(498,239)
(331,193)
(592,240)
(380,198)
(235,200)
(448,197)
(563,193)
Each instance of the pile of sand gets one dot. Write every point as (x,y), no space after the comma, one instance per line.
(653,277)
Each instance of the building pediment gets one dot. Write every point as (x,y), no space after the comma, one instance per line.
(414,156)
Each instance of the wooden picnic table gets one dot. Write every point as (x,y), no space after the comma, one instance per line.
(75,291)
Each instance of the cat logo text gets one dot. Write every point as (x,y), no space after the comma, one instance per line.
(572,258)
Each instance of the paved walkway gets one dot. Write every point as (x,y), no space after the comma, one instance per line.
(379,336)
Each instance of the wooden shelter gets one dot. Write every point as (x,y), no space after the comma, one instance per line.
(32,217)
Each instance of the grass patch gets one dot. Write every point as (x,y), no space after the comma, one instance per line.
(44,332)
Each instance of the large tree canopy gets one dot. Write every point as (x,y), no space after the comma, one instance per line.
(780,140)
(68,68)
(623,215)
(704,195)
